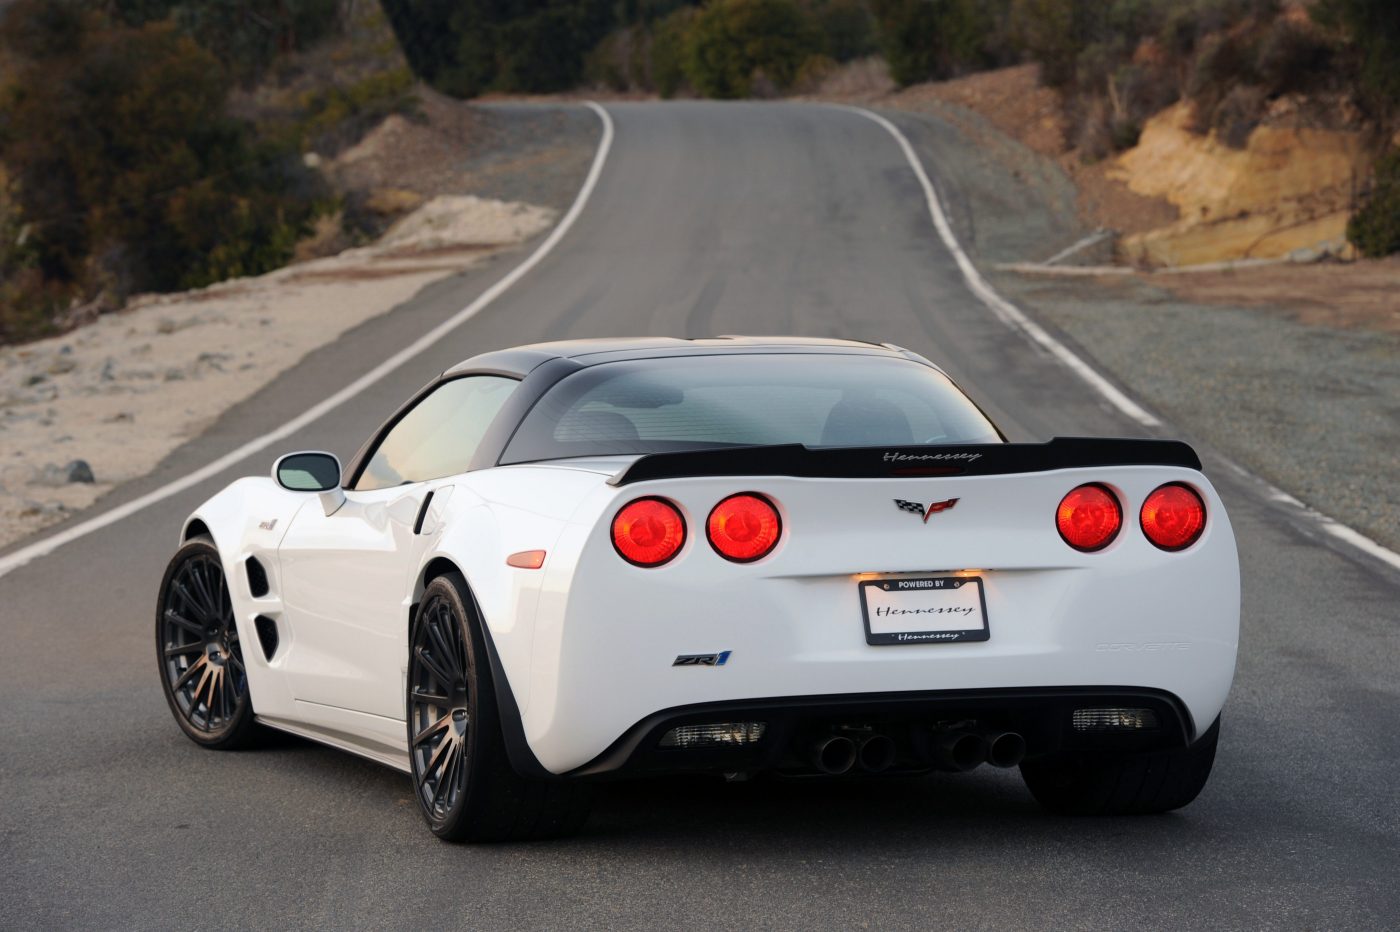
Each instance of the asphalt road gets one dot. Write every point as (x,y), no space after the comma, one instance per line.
(708,219)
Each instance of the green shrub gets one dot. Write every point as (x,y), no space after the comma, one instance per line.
(668,51)
(1373,28)
(926,40)
(127,169)
(731,41)
(1375,228)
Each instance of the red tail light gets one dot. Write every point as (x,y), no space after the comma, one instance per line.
(1173,517)
(1089,517)
(648,532)
(744,527)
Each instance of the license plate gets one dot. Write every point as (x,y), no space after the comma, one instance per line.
(931,610)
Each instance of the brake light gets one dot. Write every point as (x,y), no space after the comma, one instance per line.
(648,531)
(1089,517)
(1173,517)
(744,527)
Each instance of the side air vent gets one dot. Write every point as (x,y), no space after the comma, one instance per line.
(267,635)
(257,578)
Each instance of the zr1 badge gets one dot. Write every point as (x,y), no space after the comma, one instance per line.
(702,660)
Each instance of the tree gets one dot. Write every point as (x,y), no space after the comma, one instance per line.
(732,40)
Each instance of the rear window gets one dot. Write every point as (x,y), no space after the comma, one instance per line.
(704,402)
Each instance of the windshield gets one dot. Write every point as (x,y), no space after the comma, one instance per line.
(701,402)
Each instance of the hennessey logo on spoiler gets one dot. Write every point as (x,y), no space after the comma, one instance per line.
(926,457)
(919,508)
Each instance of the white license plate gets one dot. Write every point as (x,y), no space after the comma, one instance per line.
(930,610)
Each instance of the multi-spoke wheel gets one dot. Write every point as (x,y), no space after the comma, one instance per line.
(464,782)
(201,661)
(440,709)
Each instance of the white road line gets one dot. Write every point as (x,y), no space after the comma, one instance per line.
(1016,319)
(1005,311)
(49,544)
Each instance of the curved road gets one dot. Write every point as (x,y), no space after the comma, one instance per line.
(707,219)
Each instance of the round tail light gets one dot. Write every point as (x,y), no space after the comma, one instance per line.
(648,531)
(1089,517)
(1173,517)
(744,527)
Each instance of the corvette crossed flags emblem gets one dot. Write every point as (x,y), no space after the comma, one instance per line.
(919,508)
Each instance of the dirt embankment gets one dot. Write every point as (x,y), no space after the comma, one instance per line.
(1290,188)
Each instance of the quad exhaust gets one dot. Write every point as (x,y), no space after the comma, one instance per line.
(834,754)
(876,753)
(1005,749)
(959,750)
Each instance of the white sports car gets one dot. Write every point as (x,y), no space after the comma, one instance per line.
(573,561)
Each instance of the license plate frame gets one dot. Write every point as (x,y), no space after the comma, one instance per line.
(884,634)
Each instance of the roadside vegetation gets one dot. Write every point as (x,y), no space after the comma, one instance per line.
(1115,63)
(159,145)
(155,145)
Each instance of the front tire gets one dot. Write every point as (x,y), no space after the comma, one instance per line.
(462,778)
(197,647)
(1088,783)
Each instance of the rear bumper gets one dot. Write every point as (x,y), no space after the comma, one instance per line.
(1044,717)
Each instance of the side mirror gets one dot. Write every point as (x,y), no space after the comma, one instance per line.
(312,472)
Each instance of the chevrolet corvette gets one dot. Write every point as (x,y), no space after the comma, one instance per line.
(801,558)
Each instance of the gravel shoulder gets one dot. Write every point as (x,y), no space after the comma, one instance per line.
(1307,397)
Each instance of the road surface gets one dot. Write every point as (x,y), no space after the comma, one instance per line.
(707,219)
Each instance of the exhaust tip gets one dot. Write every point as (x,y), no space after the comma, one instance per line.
(876,753)
(834,755)
(960,750)
(1006,749)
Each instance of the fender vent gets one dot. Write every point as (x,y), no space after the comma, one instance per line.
(267,635)
(257,577)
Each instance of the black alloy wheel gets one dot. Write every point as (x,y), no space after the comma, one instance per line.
(440,710)
(201,660)
(466,787)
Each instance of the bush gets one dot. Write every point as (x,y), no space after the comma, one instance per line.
(927,40)
(668,51)
(1375,228)
(127,169)
(1373,27)
(732,41)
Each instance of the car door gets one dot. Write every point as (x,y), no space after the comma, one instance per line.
(348,577)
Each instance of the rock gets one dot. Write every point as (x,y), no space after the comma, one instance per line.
(54,476)
(174,375)
(120,417)
(80,471)
(213,360)
(38,378)
(109,370)
(33,509)
(166,325)
(388,202)
(62,364)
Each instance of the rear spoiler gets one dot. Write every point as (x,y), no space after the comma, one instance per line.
(983,459)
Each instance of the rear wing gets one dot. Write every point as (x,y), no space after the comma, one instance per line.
(983,459)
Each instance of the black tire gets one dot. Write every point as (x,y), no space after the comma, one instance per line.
(1122,784)
(198,651)
(462,778)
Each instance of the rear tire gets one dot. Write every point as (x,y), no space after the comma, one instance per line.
(462,777)
(1086,783)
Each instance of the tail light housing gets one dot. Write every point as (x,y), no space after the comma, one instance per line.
(1173,516)
(648,532)
(1089,517)
(744,527)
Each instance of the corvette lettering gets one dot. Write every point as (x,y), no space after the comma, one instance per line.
(919,508)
